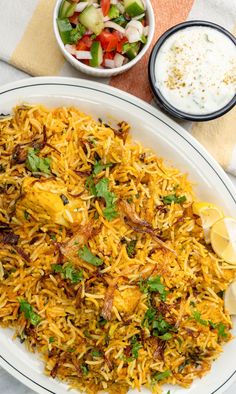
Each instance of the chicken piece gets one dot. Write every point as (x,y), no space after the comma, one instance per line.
(47,202)
(126,300)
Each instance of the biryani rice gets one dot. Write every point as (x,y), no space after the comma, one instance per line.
(77,344)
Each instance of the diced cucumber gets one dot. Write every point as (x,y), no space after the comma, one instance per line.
(96,52)
(113,12)
(134,7)
(92,19)
(66,10)
(121,21)
(131,50)
(65,29)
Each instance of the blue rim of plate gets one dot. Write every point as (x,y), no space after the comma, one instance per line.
(30,85)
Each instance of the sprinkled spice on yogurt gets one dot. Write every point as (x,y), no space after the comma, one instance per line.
(195,70)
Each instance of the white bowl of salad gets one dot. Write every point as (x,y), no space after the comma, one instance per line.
(103,37)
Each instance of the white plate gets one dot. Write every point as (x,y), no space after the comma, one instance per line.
(169,140)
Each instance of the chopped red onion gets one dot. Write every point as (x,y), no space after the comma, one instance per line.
(109,63)
(114,26)
(83,55)
(119,60)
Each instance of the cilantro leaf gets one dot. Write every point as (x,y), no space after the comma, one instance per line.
(90,185)
(86,255)
(154,284)
(197,317)
(37,164)
(30,315)
(166,336)
(99,167)
(173,198)
(221,330)
(161,326)
(51,339)
(130,248)
(161,375)
(110,212)
(136,346)
(96,353)
(68,272)
(26,215)
(84,369)
(71,273)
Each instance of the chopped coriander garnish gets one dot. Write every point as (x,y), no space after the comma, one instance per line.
(96,353)
(86,255)
(221,330)
(84,369)
(53,236)
(26,215)
(51,339)
(87,333)
(136,346)
(166,336)
(157,376)
(197,317)
(90,185)
(37,164)
(68,272)
(173,198)
(154,284)
(130,248)
(99,167)
(110,212)
(30,315)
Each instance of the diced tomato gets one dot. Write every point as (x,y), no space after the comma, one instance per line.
(87,40)
(105,4)
(81,46)
(119,46)
(84,43)
(85,61)
(74,18)
(108,41)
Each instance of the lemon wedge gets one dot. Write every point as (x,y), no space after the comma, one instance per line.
(223,239)
(230,298)
(209,214)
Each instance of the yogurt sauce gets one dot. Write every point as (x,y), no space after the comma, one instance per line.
(195,70)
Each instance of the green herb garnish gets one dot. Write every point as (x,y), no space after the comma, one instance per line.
(99,167)
(30,315)
(96,353)
(26,215)
(136,346)
(37,164)
(84,369)
(51,339)
(89,257)
(110,212)
(173,198)
(157,376)
(130,248)
(154,284)
(68,272)
(197,317)
(90,185)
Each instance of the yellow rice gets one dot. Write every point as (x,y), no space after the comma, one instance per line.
(68,334)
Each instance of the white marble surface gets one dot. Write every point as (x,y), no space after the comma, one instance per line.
(8,384)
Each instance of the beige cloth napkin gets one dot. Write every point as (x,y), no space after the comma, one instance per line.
(27,41)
